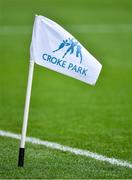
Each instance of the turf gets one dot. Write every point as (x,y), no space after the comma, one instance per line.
(63,109)
(42,163)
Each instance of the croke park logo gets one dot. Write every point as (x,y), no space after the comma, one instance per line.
(72,46)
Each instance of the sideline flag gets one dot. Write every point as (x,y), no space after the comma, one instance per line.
(54,48)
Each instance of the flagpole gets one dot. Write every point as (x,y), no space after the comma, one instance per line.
(25,117)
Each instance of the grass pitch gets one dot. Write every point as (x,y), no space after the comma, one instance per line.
(63,109)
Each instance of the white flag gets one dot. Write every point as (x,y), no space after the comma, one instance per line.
(54,48)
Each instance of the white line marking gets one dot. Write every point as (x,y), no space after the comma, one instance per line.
(76,151)
(80,28)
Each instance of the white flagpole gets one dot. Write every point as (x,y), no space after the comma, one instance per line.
(25,117)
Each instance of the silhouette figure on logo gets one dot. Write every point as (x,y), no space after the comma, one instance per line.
(79,53)
(71,47)
(64,43)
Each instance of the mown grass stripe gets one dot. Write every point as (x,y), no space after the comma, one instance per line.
(80,28)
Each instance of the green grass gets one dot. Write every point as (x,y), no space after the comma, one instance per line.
(63,109)
(46,163)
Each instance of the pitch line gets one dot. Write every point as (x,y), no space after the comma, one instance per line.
(63,148)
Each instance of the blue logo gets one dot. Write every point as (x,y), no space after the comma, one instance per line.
(72,45)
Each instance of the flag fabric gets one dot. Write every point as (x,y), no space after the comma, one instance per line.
(55,48)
